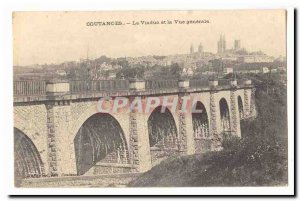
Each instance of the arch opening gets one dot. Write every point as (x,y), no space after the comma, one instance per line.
(100,140)
(27,159)
(201,129)
(200,122)
(241,108)
(225,117)
(163,136)
(162,129)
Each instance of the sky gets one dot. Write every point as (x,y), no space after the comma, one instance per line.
(56,37)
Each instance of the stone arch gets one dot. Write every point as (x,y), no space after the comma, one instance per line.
(37,137)
(100,139)
(27,159)
(161,127)
(225,115)
(91,109)
(163,135)
(168,107)
(240,107)
(240,92)
(204,98)
(201,128)
(200,121)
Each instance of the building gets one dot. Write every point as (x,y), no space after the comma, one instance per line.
(282,68)
(274,70)
(237,45)
(222,45)
(255,58)
(61,72)
(265,70)
(200,48)
(192,49)
(227,70)
(112,75)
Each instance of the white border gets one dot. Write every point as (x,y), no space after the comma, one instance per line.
(6,89)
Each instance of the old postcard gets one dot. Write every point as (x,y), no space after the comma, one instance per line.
(150,99)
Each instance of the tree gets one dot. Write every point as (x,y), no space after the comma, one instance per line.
(175,70)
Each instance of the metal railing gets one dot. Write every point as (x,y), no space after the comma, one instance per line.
(224,82)
(38,88)
(79,86)
(161,84)
(29,88)
(196,83)
(241,81)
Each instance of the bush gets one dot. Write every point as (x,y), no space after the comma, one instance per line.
(230,142)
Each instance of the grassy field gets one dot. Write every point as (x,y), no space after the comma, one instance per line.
(258,159)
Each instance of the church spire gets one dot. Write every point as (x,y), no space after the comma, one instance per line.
(192,49)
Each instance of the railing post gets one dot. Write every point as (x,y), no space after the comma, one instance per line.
(137,85)
(55,87)
(184,83)
(247,82)
(213,83)
(233,83)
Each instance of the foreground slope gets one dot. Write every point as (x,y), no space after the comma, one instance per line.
(258,159)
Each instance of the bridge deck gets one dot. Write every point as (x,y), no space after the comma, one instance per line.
(31,91)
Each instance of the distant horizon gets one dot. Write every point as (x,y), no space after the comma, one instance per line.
(93,58)
(56,37)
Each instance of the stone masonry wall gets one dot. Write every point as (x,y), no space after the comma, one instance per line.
(32,121)
(234,111)
(215,136)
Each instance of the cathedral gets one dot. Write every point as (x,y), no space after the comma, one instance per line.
(222,45)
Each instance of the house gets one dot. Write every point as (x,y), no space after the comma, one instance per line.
(227,70)
(61,72)
(265,70)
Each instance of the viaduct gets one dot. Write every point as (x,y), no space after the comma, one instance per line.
(58,130)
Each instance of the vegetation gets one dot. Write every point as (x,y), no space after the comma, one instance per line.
(259,158)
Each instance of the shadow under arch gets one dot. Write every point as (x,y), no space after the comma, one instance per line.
(200,121)
(163,135)
(241,107)
(225,116)
(201,128)
(27,159)
(161,127)
(100,139)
